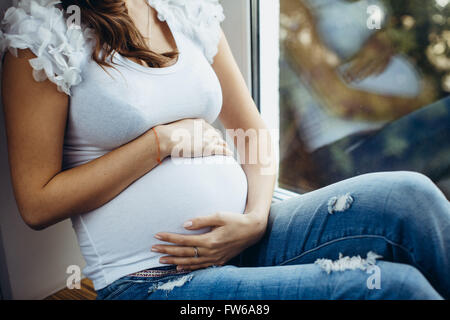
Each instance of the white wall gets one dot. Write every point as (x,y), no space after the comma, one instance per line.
(33,263)
(237,30)
(269,69)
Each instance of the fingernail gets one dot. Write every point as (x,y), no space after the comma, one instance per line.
(163,260)
(180,268)
(158,237)
(155,250)
(187,224)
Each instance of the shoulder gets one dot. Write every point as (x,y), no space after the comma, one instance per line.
(41,27)
(198,19)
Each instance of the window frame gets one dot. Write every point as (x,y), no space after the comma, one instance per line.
(255,51)
(264,56)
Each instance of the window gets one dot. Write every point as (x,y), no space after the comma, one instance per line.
(354,86)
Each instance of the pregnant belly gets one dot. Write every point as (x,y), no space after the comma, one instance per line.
(161,201)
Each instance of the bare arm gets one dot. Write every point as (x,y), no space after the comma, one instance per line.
(35,115)
(239,112)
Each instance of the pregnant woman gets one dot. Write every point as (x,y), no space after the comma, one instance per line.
(92,111)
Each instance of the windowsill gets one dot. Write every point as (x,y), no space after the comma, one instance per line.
(281,194)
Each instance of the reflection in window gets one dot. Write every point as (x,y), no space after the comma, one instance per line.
(364,87)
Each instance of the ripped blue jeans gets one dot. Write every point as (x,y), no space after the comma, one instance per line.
(375,236)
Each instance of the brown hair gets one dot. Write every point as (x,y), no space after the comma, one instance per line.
(115,31)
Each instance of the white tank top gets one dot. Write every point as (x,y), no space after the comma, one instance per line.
(109,110)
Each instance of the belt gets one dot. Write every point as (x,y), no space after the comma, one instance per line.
(155,272)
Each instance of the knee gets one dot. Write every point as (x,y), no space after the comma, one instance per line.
(408,200)
(405,282)
(412,184)
(413,193)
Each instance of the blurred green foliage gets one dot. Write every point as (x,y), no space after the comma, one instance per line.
(420,29)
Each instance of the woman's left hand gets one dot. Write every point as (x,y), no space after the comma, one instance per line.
(230,234)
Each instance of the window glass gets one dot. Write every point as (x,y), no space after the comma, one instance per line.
(364,87)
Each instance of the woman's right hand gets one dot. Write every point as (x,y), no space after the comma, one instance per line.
(373,58)
(190,138)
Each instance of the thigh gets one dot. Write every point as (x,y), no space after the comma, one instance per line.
(352,217)
(396,281)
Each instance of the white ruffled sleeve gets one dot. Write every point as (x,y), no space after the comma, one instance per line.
(199,19)
(40,26)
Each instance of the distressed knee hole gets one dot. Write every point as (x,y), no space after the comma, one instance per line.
(340,203)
